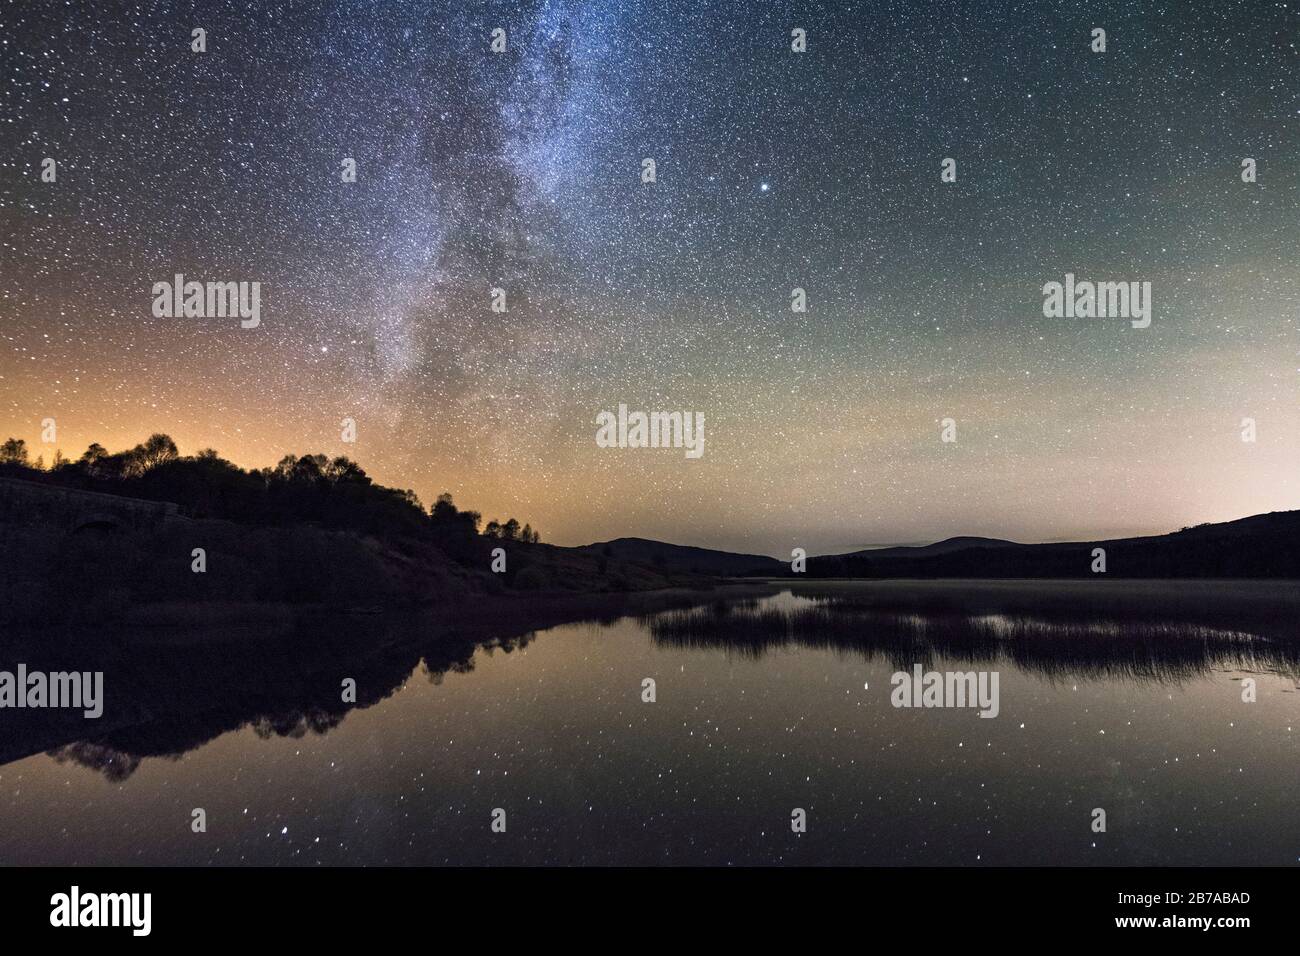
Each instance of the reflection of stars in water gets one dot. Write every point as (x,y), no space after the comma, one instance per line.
(559,736)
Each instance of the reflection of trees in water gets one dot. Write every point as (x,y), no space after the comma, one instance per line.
(1058,644)
(187,696)
(168,701)
(314,705)
(113,764)
(295,725)
(460,660)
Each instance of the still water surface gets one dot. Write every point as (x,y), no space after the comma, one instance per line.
(761,707)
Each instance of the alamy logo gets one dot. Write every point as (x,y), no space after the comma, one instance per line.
(946,689)
(103,909)
(210,300)
(58,689)
(651,430)
(1098,300)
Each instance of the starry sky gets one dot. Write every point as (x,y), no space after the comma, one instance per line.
(820,170)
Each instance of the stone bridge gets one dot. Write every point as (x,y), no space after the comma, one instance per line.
(32,502)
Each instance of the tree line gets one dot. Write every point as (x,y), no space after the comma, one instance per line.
(307,489)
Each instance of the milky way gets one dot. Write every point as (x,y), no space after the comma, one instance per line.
(775,170)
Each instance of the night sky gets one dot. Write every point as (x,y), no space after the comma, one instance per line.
(775,170)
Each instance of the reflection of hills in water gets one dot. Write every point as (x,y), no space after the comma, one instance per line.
(179,701)
(174,695)
(1163,633)
(313,703)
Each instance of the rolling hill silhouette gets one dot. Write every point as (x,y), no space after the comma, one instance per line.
(1258,546)
(947,545)
(685,559)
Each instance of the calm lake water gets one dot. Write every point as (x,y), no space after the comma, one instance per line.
(1123,696)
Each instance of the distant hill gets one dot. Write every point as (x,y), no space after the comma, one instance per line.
(939,547)
(1260,546)
(683,559)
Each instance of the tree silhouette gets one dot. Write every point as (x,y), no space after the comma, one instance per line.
(14,452)
(299,490)
(443,508)
(91,462)
(156,450)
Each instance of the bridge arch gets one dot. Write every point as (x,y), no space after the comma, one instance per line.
(100,521)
